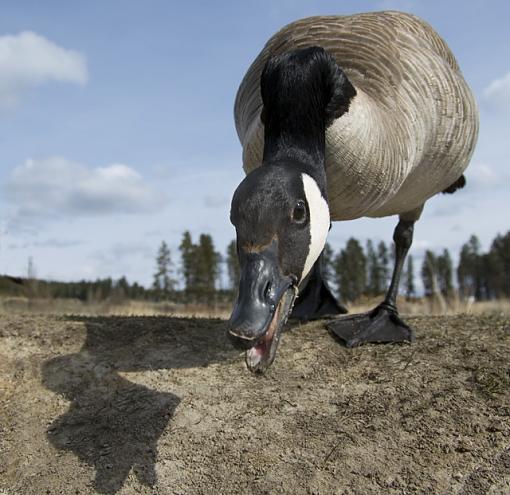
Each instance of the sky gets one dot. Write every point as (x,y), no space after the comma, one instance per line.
(117,129)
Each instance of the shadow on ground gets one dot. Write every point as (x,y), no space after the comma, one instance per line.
(113,424)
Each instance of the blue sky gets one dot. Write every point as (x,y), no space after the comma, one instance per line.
(116,127)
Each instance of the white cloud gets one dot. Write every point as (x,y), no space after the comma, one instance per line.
(481,179)
(121,250)
(120,258)
(497,92)
(28,60)
(57,187)
(482,176)
(52,243)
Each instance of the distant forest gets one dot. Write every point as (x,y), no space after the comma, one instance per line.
(194,273)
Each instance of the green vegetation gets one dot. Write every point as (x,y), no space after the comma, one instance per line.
(351,271)
(354,272)
(200,268)
(163,284)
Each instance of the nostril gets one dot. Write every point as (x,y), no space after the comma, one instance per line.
(267,290)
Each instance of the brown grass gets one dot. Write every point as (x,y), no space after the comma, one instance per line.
(21,305)
(439,306)
(415,307)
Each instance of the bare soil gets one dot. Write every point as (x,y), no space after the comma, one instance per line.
(164,405)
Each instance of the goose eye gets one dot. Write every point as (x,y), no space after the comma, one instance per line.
(299,212)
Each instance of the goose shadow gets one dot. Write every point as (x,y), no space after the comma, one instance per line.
(113,424)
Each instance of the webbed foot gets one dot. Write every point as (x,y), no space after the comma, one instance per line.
(317,304)
(315,300)
(382,324)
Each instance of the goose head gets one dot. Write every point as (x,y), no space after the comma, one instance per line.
(282,221)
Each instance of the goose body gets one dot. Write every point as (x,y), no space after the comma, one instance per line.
(339,117)
(411,128)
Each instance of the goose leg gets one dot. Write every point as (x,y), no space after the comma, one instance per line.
(382,324)
(315,299)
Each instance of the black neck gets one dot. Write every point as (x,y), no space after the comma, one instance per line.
(296,90)
(298,138)
(296,131)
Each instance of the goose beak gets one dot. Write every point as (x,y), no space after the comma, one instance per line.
(265,300)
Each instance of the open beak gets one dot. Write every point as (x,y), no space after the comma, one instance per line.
(265,300)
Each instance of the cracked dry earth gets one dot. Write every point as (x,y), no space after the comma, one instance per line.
(164,405)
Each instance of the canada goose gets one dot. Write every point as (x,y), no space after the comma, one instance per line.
(339,117)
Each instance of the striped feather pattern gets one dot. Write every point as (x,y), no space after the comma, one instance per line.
(411,129)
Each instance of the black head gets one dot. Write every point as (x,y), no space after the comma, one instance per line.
(282,220)
(270,206)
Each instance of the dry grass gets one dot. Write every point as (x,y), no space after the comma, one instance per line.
(439,306)
(21,305)
(416,307)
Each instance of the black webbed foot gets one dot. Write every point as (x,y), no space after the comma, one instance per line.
(316,303)
(382,324)
(315,300)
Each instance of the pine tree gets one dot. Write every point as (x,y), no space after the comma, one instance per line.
(384,270)
(188,262)
(233,269)
(429,273)
(497,266)
(445,273)
(469,270)
(490,276)
(163,283)
(372,268)
(123,285)
(377,268)
(350,268)
(409,278)
(120,289)
(328,261)
(207,264)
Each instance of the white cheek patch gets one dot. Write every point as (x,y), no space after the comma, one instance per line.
(319,222)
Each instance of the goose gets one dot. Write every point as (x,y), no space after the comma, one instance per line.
(339,117)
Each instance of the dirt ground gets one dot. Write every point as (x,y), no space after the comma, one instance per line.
(164,405)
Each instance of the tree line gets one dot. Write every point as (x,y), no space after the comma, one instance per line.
(356,270)
(199,273)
